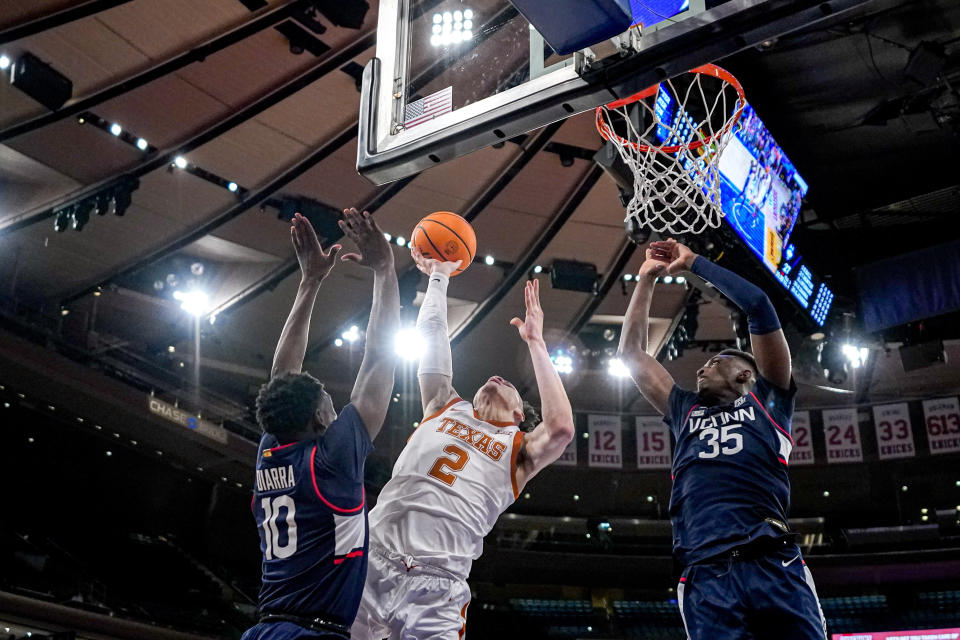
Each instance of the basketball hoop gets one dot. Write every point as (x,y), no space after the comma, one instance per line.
(672,143)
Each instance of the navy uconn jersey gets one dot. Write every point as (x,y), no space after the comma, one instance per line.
(310,509)
(730,480)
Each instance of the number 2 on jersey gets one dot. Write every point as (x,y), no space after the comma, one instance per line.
(455,463)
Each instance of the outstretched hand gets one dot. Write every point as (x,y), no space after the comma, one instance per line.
(678,256)
(655,264)
(315,264)
(374,249)
(430,265)
(531,327)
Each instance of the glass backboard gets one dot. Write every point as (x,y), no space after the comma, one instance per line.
(453,76)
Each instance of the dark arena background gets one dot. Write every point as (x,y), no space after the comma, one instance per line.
(152,155)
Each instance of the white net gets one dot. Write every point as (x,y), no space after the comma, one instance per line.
(672,140)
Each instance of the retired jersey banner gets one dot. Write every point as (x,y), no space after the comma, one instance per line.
(894,432)
(841,430)
(605,442)
(802,452)
(569,456)
(653,443)
(942,419)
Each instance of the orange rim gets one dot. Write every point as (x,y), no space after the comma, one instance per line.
(708,69)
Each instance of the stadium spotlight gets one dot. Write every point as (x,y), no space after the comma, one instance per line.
(856,356)
(232,186)
(142,144)
(4,64)
(193,302)
(667,279)
(352,334)
(387,237)
(538,269)
(401,241)
(408,344)
(180,162)
(81,215)
(62,220)
(338,342)
(617,369)
(116,129)
(489,261)
(628,277)
(680,279)
(562,362)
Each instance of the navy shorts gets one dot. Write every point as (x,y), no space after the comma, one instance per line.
(285,631)
(771,596)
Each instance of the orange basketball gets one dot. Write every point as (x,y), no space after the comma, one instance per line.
(443,235)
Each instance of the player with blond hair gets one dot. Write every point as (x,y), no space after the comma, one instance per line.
(463,466)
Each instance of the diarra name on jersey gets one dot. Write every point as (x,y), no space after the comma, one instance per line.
(274,478)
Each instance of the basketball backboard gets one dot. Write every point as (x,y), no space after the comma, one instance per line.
(453,76)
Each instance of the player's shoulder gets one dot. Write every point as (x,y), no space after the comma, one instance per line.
(679,404)
(455,403)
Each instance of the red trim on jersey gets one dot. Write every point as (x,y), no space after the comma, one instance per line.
(352,554)
(253,498)
(444,408)
(782,460)
(283,446)
(683,579)
(764,409)
(517,445)
(683,424)
(313,476)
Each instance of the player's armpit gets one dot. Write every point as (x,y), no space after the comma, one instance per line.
(542,446)
(772,354)
(653,381)
(436,391)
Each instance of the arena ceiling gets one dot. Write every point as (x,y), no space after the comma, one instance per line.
(281,124)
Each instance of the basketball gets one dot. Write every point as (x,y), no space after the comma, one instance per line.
(443,235)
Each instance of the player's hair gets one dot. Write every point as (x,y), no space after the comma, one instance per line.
(286,404)
(743,355)
(531,417)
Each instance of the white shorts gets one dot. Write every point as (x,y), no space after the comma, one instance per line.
(403,600)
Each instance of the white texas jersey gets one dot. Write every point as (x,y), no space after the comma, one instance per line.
(452,481)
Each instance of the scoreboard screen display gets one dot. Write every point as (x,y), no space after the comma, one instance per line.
(647,13)
(761,194)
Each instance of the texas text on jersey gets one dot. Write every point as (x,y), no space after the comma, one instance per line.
(454,478)
(731,484)
(310,510)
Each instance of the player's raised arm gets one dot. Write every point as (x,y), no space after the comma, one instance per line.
(547,441)
(315,264)
(651,378)
(371,392)
(769,345)
(435,372)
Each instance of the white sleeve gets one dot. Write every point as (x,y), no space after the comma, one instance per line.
(432,327)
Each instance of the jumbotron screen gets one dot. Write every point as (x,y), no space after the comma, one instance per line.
(649,12)
(761,194)
(925,634)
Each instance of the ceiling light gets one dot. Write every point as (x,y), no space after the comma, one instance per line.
(826,494)
(193,302)
(537,269)
(489,261)
(180,162)
(680,280)
(232,186)
(468,14)
(447,16)
(62,221)
(401,241)
(338,342)
(4,64)
(142,144)
(628,277)
(387,237)
(171,349)
(562,363)
(576,497)
(904,488)
(667,279)
(116,129)
(64,312)
(817,336)
(109,453)
(352,334)
(437,18)
(408,344)
(856,356)
(617,369)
